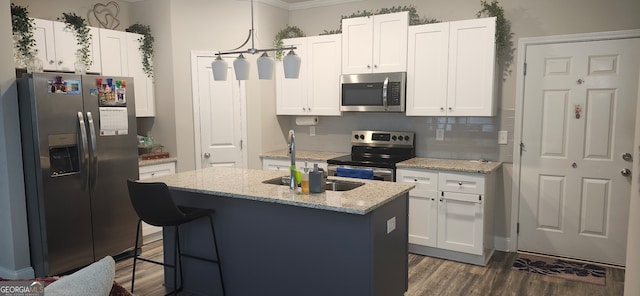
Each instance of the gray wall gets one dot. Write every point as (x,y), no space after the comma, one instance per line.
(14,241)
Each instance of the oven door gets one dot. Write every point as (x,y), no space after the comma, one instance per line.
(381,174)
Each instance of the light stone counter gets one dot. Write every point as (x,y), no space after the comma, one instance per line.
(304,155)
(456,165)
(247,184)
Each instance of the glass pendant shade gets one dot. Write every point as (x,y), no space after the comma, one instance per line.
(265,66)
(291,64)
(219,67)
(241,66)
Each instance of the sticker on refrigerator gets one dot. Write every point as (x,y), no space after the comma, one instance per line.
(111,93)
(113,121)
(67,87)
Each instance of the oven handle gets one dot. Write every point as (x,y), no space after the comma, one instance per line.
(333,167)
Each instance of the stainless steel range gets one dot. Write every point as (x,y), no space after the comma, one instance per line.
(374,155)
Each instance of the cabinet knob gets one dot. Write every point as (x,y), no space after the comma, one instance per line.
(415,180)
(59,62)
(304,109)
(433,198)
(441,199)
(441,108)
(309,109)
(368,66)
(460,183)
(375,66)
(450,108)
(51,62)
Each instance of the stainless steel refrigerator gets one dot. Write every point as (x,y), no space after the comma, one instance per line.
(79,147)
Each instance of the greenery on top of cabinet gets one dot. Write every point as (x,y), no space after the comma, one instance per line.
(414,18)
(504,42)
(82,34)
(146,46)
(22,26)
(287,32)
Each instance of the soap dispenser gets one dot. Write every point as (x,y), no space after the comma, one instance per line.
(316,180)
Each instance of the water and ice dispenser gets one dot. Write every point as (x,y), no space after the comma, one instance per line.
(63,155)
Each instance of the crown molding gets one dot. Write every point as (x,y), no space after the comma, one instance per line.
(305,4)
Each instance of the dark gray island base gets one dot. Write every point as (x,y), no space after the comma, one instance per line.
(275,248)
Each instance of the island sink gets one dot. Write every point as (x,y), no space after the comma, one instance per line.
(331,184)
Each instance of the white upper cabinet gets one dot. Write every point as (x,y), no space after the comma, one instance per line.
(114,52)
(316,91)
(144,95)
(375,44)
(121,56)
(450,69)
(57,46)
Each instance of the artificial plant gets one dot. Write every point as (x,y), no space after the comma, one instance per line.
(287,32)
(78,25)
(23,26)
(504,42)
(146,46)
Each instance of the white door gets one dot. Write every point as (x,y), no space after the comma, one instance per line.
(219,121)
(578,121)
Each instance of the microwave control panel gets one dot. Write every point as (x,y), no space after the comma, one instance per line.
(393,94)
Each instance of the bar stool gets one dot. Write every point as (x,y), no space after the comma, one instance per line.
(154,205)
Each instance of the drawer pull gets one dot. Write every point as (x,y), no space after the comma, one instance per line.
(415,180)
(460,183)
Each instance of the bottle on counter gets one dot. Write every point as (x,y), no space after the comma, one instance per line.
(317,180)
(305,181)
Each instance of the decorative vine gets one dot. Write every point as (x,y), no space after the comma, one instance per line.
(146,46)
(82,34)
(504,42)
(287,32)
(414,17)
(22,26)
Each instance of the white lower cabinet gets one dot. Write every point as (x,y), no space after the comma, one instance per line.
(153,233)
(447,214)
(279,164)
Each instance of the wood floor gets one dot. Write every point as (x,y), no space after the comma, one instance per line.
(427,276)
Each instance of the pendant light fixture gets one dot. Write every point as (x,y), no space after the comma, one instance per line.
(291,61)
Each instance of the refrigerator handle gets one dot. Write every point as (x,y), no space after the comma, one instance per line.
(94,150)
(84,159)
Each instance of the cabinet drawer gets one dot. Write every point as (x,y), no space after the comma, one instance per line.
(157,170)
(463,183)
(426,182)
(463,197)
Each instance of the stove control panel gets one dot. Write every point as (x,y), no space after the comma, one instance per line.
(383,138)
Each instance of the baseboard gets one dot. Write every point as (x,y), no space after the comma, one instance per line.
(25,273)
(502,244)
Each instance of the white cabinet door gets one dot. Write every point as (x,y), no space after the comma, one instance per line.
(57,46)
(291,98)
(423,205)
(390,42)
(45,43)
(316,91)
(144,96)
(323,75)
(460,222)
(357,39)
(375,44)
(427,65)
(114,53)
(450,69)
(471,67)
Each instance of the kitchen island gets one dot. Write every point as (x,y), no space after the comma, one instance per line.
(278,241)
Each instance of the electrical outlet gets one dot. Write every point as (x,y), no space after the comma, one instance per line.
(312,131)
(391,225)
(440,134)
(503,137)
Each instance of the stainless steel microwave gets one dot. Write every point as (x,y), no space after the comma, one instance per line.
(373,92)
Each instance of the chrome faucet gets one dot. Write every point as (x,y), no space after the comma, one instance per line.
(292,155)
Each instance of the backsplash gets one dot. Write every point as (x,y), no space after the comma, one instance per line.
(464,137)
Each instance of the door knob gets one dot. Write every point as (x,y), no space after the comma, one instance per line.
(626,172)
(207,155)
(627,156)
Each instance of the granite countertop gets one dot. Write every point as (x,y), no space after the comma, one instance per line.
(457,165)
(247,184)
(156,161)
(303,155)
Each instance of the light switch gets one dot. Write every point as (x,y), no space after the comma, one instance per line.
(503,137)
(440,134)
(391,225)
